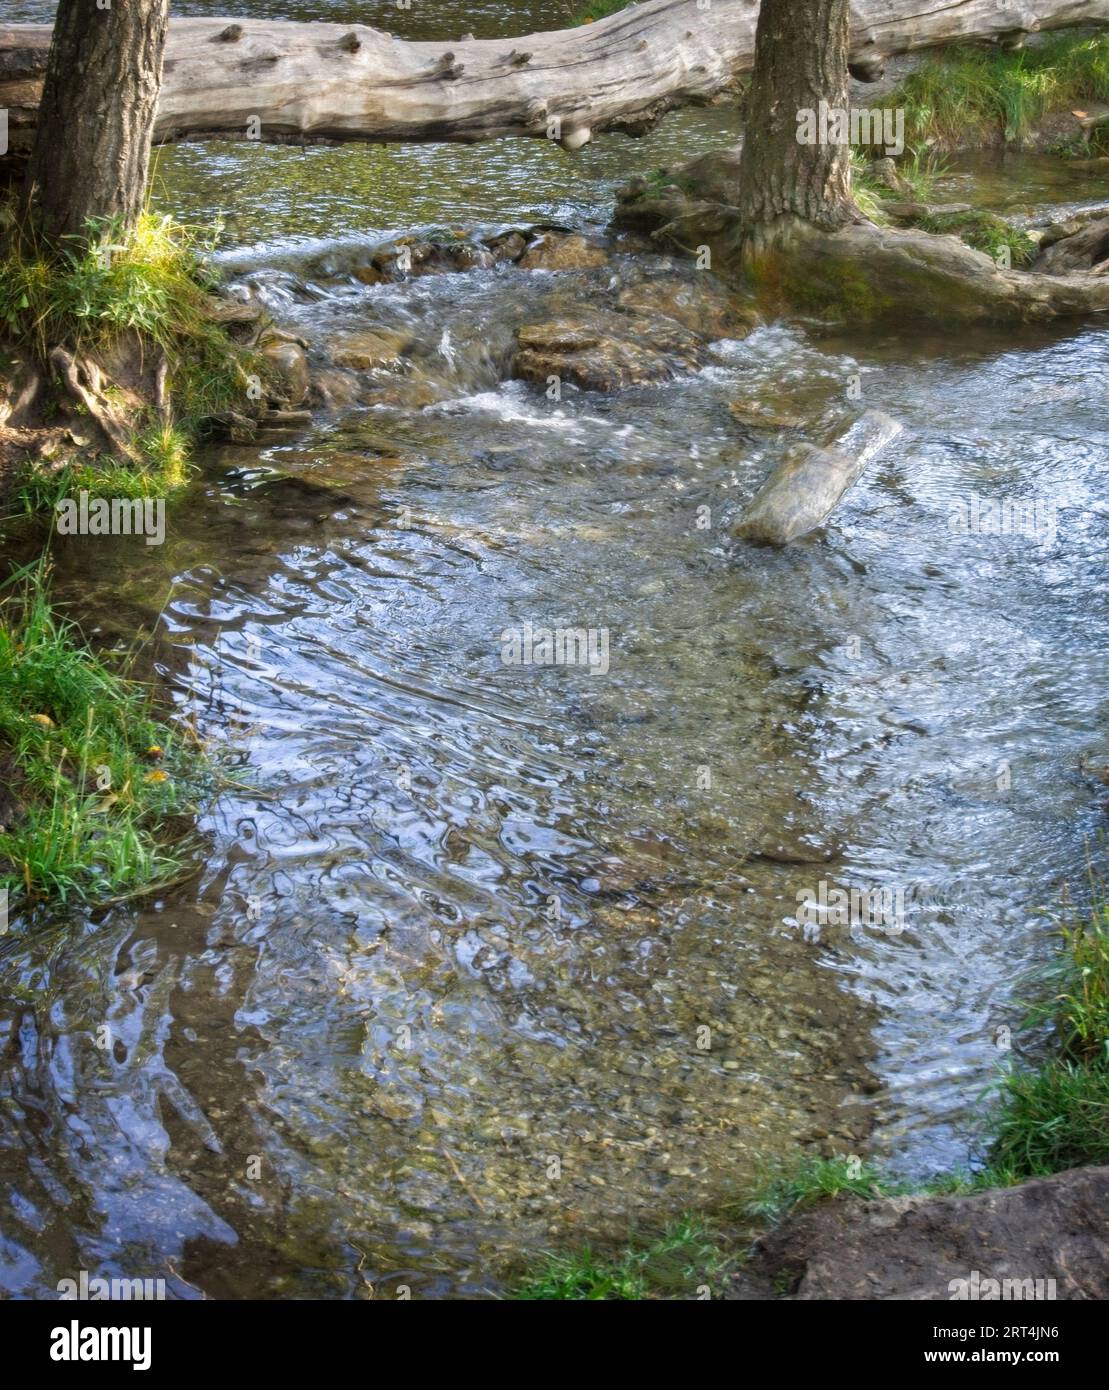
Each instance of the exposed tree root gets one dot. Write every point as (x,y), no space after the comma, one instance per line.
(868,274)
(862,273)
(84,381)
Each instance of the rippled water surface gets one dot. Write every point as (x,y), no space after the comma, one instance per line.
(482,958)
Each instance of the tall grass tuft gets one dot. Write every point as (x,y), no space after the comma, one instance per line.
(1058,1117)
(94,777)
(955,97)
(687,1256)
(153,282)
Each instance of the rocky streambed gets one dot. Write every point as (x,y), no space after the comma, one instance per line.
(485,958)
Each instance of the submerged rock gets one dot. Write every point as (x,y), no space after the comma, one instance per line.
(287,367)
(606,353)
(375,348)
(760,416)
(702,305)
(332,389)
(553,250)
(652,329)
(446,253)
(507,246)
(411,257)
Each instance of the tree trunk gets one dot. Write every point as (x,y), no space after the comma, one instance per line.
(796,167)
(96,117)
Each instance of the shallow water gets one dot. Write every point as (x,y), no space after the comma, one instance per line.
(483,958)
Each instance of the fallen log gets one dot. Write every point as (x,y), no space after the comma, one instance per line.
(806,487)
(285,82)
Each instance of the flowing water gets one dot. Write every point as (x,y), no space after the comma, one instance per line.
(482,958)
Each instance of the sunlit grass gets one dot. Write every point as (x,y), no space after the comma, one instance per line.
(811,1179)
(1058,1116)
(153,282)
(93,775)
(589,14)
(683,1262)
(985,232)
(953,98)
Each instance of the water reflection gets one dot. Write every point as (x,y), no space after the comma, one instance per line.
(477,959)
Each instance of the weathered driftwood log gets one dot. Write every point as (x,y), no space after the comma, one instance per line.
(806,487)
(290,82)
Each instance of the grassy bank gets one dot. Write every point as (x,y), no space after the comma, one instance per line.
(589,14)
(968,94)
(690,1254)
(142,307)
(93,777)
(114,355)
(1044,1120)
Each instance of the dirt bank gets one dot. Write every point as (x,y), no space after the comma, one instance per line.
(1053,1228)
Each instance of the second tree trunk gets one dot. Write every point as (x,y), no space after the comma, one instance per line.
(800,61)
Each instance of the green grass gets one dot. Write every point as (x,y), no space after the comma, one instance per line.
(1058,1116)
(953,98)
(95,775)
(686,1259)
(811,1179)
(1053,1119)
(153,282)
(920,169)
(1078,1002)
(985,232)
(598,9)
(164,470)
(868,192)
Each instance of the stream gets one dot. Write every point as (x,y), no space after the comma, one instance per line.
(482,959)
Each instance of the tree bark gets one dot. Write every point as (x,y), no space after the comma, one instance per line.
(796,166)
(289,82)
(92,143)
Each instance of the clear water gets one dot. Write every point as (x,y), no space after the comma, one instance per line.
(477,959)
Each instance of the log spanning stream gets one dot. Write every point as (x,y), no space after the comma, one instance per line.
(485,958)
